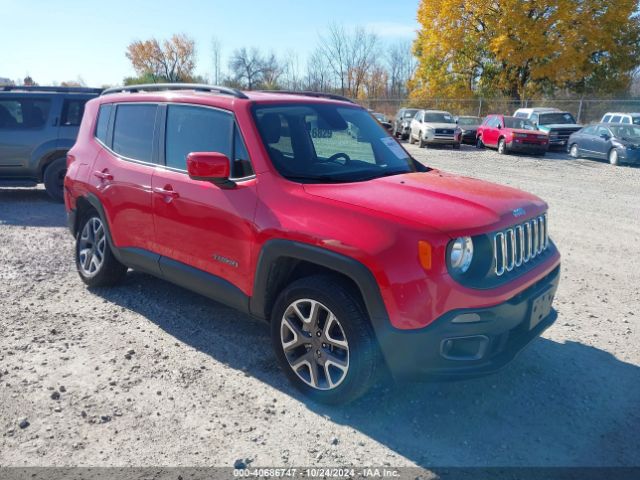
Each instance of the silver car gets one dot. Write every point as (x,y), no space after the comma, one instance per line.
(434,127)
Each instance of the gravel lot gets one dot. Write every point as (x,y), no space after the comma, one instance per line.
(150,374)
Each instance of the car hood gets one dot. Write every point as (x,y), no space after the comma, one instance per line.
(441,125)
(448,203)
(561,125)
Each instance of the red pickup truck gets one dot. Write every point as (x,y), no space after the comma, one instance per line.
(511,134)
(361,258)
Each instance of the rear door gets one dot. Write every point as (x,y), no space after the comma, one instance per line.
(27,131)
(197,223)
(122,173)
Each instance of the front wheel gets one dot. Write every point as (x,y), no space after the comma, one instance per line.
(421,142)
(54,178)
(613,157)
(479,143)
(95,262)
(502,147)
(323,340)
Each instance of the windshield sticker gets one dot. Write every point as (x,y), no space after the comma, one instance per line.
(394,147)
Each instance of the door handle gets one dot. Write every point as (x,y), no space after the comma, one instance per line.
(103,175)
(167,192)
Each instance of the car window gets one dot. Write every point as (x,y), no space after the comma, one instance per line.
(72,111)
(518,123)
(603,131)
(468,121)
(437,117)
(520,115)
(196,129)
(556,118)
(626,131)
(102,124)
(606,119)
(24,113)
(616,119)
(410,113)
(588,130)
(626,119)
(133,131)
(487,121)
(534,118)
(329,143)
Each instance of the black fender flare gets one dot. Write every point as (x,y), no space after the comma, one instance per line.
(273,250)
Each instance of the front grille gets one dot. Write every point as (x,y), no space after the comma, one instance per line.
(518,245)
(562,134)
(444,131)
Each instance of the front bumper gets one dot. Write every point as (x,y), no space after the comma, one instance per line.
(440,140)
(447,350)
(628,155)
(527,147)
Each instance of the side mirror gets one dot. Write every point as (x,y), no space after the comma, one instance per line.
(211,167)
(499,127)
(604,136)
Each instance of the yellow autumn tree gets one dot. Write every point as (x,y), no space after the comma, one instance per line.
(521,48)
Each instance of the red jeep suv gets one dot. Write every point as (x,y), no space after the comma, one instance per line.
(361,259)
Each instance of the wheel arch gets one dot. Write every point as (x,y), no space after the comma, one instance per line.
(283,261)
(47,159)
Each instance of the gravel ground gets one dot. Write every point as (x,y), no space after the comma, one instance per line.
(150,374)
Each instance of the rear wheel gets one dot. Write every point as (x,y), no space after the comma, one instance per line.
(456,146)
(323,340)
(54,178)
(421,141)
(95,262)
(613,157)
(574,151)
(479,143)
(502,147)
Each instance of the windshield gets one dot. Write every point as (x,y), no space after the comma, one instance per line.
(410,113)
(551,118)
(469,121)
(626,131)
(438,117)
(380,117)
(325,143)
(518,123)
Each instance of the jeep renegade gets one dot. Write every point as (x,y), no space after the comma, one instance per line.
(360,258)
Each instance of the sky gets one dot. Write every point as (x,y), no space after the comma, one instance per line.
(54,41)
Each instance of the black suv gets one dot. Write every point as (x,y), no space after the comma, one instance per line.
(38,125)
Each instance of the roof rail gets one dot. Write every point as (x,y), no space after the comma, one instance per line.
(305,93)
(25,88)
(158,87)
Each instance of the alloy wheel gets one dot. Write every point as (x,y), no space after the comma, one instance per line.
(574,151)
(314,344)
(613,157)
(91,248)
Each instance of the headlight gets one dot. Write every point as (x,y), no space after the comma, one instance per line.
(461,254)
(428,128)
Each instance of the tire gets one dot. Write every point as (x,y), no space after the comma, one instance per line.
(479,143)
(410,139)
(613,157)
(502,147)
(574,151)
(456,146)
(357,365)
(54,178)
(95,262)
(421,142)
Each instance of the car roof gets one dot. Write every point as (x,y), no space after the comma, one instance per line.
(22,89)
(622,113)
(213,95)
(539,109)
(435,111)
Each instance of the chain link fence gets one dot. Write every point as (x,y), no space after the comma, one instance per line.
(586,110)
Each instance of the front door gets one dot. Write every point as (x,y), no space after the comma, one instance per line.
(197,223)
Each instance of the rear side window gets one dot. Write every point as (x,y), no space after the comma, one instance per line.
(23,113)
(196,129)
(606,119)
(626,119)
(72,111)
(133,131)
(615,119)
(636,120)
(103,122)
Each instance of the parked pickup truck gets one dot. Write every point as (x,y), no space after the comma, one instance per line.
(558,124)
